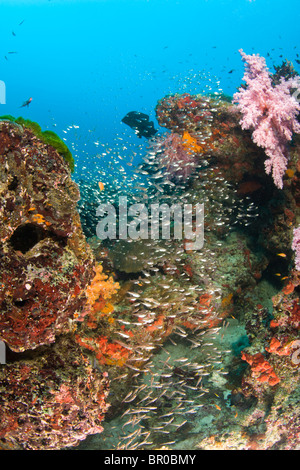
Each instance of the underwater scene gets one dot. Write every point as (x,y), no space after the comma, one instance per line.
(149,226)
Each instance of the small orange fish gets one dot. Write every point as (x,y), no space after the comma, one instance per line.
(283,255)
(101,185)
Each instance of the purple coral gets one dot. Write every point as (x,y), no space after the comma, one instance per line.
(296,247)
(271,113)
(174,158)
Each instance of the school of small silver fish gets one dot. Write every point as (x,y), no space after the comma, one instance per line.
(169,385)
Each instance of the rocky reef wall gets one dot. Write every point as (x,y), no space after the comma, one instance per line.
(50,395)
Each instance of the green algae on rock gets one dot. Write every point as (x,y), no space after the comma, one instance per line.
(48,137)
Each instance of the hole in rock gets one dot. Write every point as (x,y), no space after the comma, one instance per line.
(13,184)
(21,303)
(29,354)
(26,237)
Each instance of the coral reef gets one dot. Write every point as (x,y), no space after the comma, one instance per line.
(45,262)
(189,339)
(286,70)
(91,335)
(270,112)
(51,395)
(273,376)
(296,247)
(52,398)
(176,156)
(185,113)
(207,337)
(48,137)
(101,287)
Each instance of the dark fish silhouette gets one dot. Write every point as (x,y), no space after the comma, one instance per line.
(140,123)
(26,103)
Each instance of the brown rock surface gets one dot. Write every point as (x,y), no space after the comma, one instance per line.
(45,262)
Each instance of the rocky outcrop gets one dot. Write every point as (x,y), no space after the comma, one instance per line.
(45,262)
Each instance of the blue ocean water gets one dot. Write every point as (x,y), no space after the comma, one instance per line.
(89,62)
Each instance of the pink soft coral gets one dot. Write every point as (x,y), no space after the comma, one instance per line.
(172,155)
(271,112)
(296,247)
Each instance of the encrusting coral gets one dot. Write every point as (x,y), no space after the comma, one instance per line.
(46,263)
(51,395)
(48,137)
(51,399)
